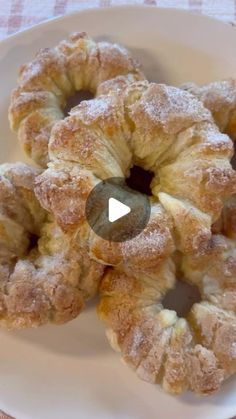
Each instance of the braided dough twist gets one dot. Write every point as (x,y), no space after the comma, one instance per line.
(45,275)
(160,128)
(196,353)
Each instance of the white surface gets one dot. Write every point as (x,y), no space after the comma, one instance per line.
(70,372)
(116,210)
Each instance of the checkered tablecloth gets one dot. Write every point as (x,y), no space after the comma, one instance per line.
(16,15)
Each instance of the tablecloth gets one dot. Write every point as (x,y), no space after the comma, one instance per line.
(16,15)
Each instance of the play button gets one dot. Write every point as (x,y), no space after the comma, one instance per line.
(116,212)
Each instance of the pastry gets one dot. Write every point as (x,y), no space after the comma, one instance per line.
(195,353)
(160,128)
(45,84)
(220,98)
(164,130)
(45,275)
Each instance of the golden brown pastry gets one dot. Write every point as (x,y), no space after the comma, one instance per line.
(195,353)
(160,128)
(213,268)
(226,224)
(45,275)
(220,98)
(55,74)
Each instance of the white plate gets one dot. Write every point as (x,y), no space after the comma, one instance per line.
(70,372)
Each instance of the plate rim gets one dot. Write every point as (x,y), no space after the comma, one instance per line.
(101,9)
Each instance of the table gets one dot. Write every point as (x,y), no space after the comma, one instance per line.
(16,15)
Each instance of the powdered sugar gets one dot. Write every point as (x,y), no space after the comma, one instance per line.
(170,108)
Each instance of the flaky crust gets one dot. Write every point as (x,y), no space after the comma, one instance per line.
(160,128)
(196,353)
(44,85)
(145,252)
(220,98)
(45,275)
(213,269)
(226,224)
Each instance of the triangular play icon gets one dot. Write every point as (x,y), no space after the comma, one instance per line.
(116,209)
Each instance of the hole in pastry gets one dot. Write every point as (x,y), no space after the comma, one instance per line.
(181,298)
(33,242)
(74,100)
(140,180)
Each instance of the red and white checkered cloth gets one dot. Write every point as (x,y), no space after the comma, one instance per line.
(18,14)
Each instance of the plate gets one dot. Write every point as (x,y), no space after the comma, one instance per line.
(70,371)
